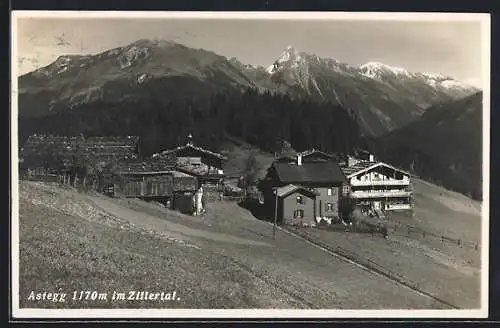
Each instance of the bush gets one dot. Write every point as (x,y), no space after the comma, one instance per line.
(347,206)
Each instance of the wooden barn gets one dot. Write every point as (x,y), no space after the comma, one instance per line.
(156,179)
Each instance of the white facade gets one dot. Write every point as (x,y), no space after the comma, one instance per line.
(381,186)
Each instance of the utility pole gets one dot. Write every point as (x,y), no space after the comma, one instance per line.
(275,213)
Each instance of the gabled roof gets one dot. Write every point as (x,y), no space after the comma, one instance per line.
(288,189)
(198,170)
(364,166)
(313,172)
(50,149)
(305,154)
(313,151)
(190,146)
(149,165)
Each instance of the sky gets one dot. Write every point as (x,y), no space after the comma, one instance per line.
(451,48)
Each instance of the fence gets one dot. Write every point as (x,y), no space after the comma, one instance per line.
(84,184)
(366,262)
(408,230)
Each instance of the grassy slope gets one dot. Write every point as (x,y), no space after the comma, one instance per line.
(448,271)
(226,259)
(445,270)
(238,151)
(233,254)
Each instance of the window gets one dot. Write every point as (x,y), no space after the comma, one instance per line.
(329,207)
(329,191)
(300,200)
(345,189)
(298,213)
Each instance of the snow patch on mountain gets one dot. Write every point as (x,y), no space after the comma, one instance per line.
(142,78)
(132,54)
(377,70)
(62,70)
(435,76)
(450,84)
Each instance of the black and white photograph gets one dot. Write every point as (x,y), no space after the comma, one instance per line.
(250,164)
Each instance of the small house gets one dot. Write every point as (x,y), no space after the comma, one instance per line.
(204,164)
(305,191)
(192,156)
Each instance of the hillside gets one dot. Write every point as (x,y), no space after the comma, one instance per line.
(126,73)
(225,259)
(378,96)
(444,146)
(261,119)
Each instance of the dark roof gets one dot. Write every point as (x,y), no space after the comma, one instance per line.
(190,146)
(314,172)
(197,170)
(148,165)
(313,151)
(307,153)
(46,148)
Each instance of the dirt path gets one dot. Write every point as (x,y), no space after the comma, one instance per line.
(309,276)
(177,230)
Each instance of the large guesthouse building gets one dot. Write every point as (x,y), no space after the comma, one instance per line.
(378,186)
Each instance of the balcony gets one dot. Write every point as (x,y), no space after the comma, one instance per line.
(403,182)
(395,207)
(381,194)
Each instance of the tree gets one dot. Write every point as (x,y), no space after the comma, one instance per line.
(347,206)
(250,173)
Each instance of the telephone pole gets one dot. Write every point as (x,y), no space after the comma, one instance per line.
(275,213)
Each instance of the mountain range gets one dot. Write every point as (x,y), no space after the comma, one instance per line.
(443,146)
(380,97)
(160,90)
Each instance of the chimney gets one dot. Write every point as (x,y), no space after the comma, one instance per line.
(299,159)
(189,140)
(351,161)
(371,158)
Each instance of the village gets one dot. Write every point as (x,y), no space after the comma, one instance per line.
(318,211)
(307,189)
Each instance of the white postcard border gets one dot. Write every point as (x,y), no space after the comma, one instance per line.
(18,313)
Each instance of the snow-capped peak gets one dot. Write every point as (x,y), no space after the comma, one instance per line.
(436,79)
(435,76)
(289,55)
(376,70)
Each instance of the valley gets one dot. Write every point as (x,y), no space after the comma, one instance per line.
(162,91)
(224,259)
